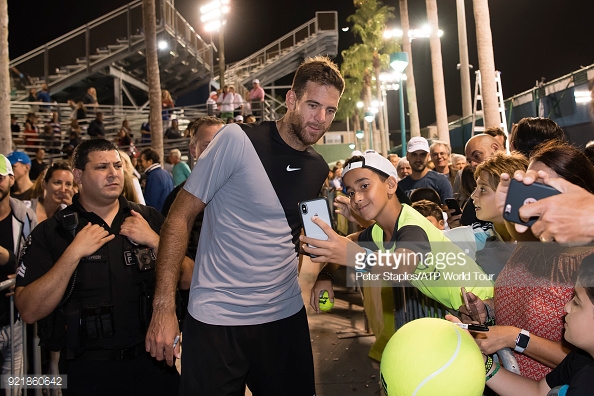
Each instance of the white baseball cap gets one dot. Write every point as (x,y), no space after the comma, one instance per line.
(372,160)
(417,143)
(255,81)
(5,167)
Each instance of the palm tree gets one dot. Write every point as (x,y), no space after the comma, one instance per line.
(484,42)
(411,91)
(6,136)
(441,111)
(152,72)
(369,23)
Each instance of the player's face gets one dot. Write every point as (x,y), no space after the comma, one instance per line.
(580,319)
(314,112)
(367,192)
(103,176)
(59,188)
(483,197)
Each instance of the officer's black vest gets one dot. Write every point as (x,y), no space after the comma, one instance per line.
(107,304)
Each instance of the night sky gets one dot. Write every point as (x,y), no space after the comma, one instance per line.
(531,39)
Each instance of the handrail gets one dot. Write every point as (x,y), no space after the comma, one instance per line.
(96,22)
(235,68)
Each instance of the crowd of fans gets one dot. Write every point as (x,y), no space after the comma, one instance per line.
(107,196)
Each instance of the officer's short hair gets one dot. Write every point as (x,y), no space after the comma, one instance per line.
(80,156)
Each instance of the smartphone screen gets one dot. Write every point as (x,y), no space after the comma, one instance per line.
(519,195)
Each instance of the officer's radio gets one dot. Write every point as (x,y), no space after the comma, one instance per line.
(144,257)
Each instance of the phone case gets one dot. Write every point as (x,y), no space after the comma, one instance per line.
(453,204)
(520,194)
(307,209)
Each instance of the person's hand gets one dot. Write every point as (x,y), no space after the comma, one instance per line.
(474,309)
(557,215)
(332,250)
(161,335)
(138,230)
(343,207)
(498,337)
(317,290)
(89,239)
(453,220)
(10,291)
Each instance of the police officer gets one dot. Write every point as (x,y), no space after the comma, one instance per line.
(87,276)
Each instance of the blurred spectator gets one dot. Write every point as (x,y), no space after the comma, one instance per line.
(134,179)
(21,164)
(440,155)
(167,104)
(96,128)
(529,132)
(158,182)
(431,211)
(458,161)
(180,170)
(37,165)
(145,132)
(239,119)
(257,98)
(237,102)
(173,131)
(250,118)
(403,168)
(90,100)
(498,134)
(225,103)
(393,158)
(44,96)
(211,104)
(14,125)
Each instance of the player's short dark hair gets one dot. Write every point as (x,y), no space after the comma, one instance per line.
(320,70)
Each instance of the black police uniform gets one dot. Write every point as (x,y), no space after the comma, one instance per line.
(106,307)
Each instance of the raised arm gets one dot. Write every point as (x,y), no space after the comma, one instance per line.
(172,247)
(38,299)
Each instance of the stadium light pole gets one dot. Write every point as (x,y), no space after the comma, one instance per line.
(398,62)
(213,16)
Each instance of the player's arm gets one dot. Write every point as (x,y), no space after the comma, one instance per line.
(38,299)
(172,247)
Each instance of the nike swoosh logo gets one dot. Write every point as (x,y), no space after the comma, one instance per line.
(289,169)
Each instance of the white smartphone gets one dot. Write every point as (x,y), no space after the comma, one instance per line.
(314,207)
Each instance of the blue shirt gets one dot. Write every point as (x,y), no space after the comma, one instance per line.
(432,179)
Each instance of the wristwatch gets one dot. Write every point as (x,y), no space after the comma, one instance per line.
(522,341)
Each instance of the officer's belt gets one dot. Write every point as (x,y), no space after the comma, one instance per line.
(114,354)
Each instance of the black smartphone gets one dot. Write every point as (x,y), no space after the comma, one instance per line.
(453,204)
(520,194)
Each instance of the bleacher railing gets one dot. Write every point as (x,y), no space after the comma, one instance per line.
(116,31)
(324,21)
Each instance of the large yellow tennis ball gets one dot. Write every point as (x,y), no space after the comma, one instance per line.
(428,357)
(324,302)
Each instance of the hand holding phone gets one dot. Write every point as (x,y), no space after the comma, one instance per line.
(520,194)
(453,204)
